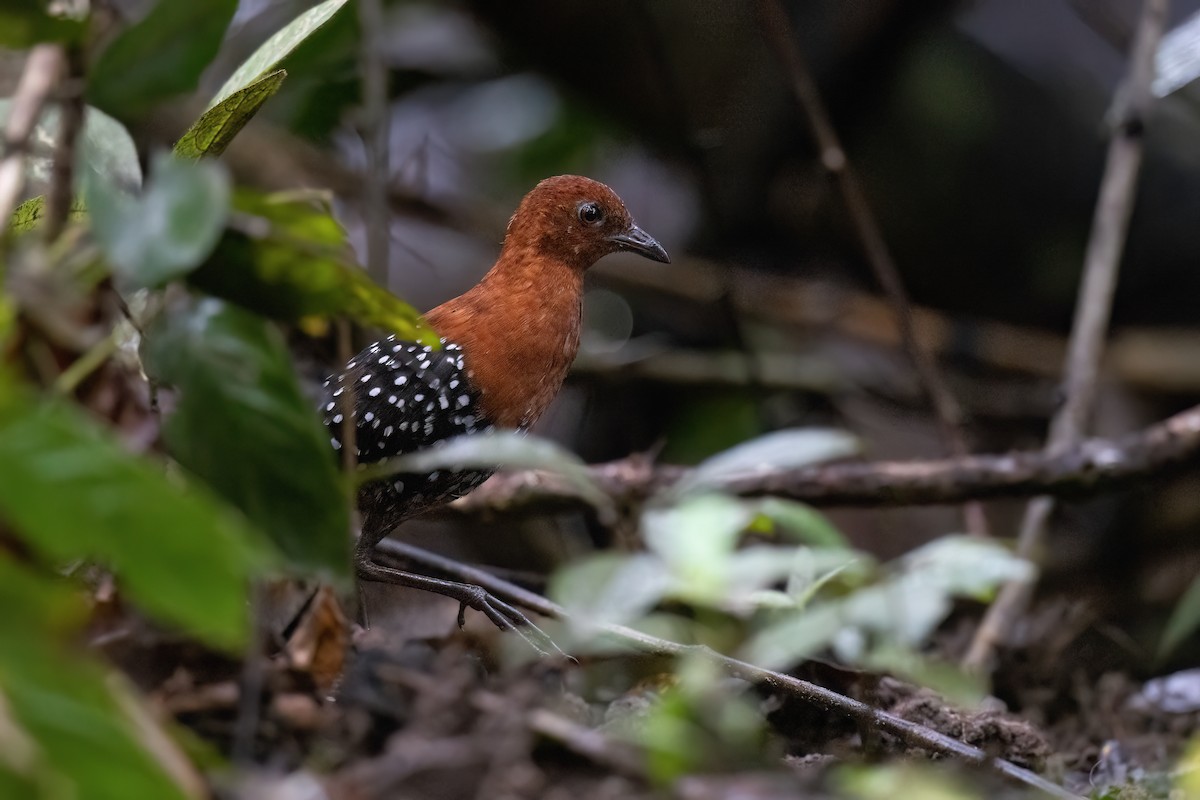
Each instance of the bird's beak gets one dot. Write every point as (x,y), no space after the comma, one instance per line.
(636,240)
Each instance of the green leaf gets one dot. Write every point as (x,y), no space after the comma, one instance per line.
(160,57)
(802,521)
(212,133)
(29,214)
(168,230)
(71,492)
(24,23)
(499,449)
(276,49)
(290,260)
(1185,619)
(243,425)
(781,450)
(84,743)
(609,588)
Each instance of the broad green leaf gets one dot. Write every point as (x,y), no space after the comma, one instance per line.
(212,133)
(159,57)
(499,449)
(70,491)
(168,230)
(243,425)
(24,23)
(966,566)
(289,259)
(696,539)
(85,745)
(781,450)
(277,48)
(1184,621)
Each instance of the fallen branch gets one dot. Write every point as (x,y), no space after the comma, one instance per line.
(911,733)
(1081,470)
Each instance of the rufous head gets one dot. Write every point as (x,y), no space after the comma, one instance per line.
(578,221)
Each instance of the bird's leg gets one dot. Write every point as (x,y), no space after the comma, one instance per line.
(503,615)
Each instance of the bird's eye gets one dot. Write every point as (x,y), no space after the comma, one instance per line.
(590,214)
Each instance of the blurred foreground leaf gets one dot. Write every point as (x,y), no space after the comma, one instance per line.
(289,260)
(71,492)
(781,450)
(276,49)
(212,133)
(243,425)
(168,230)
(81,743)
(159,57)
(24,23)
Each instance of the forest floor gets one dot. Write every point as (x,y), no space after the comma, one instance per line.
(415,707)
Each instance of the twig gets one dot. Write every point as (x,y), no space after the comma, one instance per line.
(1078,471)
(911,733)
(70,125)
(43,70)
(777,28)
(1106,243)
(377,136)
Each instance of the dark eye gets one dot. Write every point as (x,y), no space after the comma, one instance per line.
(590,214)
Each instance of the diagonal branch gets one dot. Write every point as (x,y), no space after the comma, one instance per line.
(1093,307)
(777,28)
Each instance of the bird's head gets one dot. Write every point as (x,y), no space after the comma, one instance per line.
(578,221)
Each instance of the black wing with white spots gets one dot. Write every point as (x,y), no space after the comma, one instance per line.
(407,397)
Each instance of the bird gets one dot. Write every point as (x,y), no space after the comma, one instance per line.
(506,346)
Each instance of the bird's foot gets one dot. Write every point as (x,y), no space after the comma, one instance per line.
(503,615)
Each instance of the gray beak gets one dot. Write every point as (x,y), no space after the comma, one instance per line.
(636,240)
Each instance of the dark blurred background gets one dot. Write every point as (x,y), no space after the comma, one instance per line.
(978,129)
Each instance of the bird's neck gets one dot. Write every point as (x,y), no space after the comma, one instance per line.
(519,330)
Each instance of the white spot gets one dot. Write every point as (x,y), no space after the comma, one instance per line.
(425,364)
(351,365)
(368,416)
(398,486)
(326,384)
(384,359)
(366,377)
(429,406)
(433,476)
(392,399)
(453,384)
(464,401)
(387,431)
(400,380)
(330,406)
(443,402)
(337,418)
(374,392)
(336,444)
(339,391)
(403,426)
(418,397)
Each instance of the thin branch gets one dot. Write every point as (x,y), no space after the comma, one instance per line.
(70,126)
(43,70)
(1110,225)
(1077,471)
(777,28)
(911,733)
(377,135)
